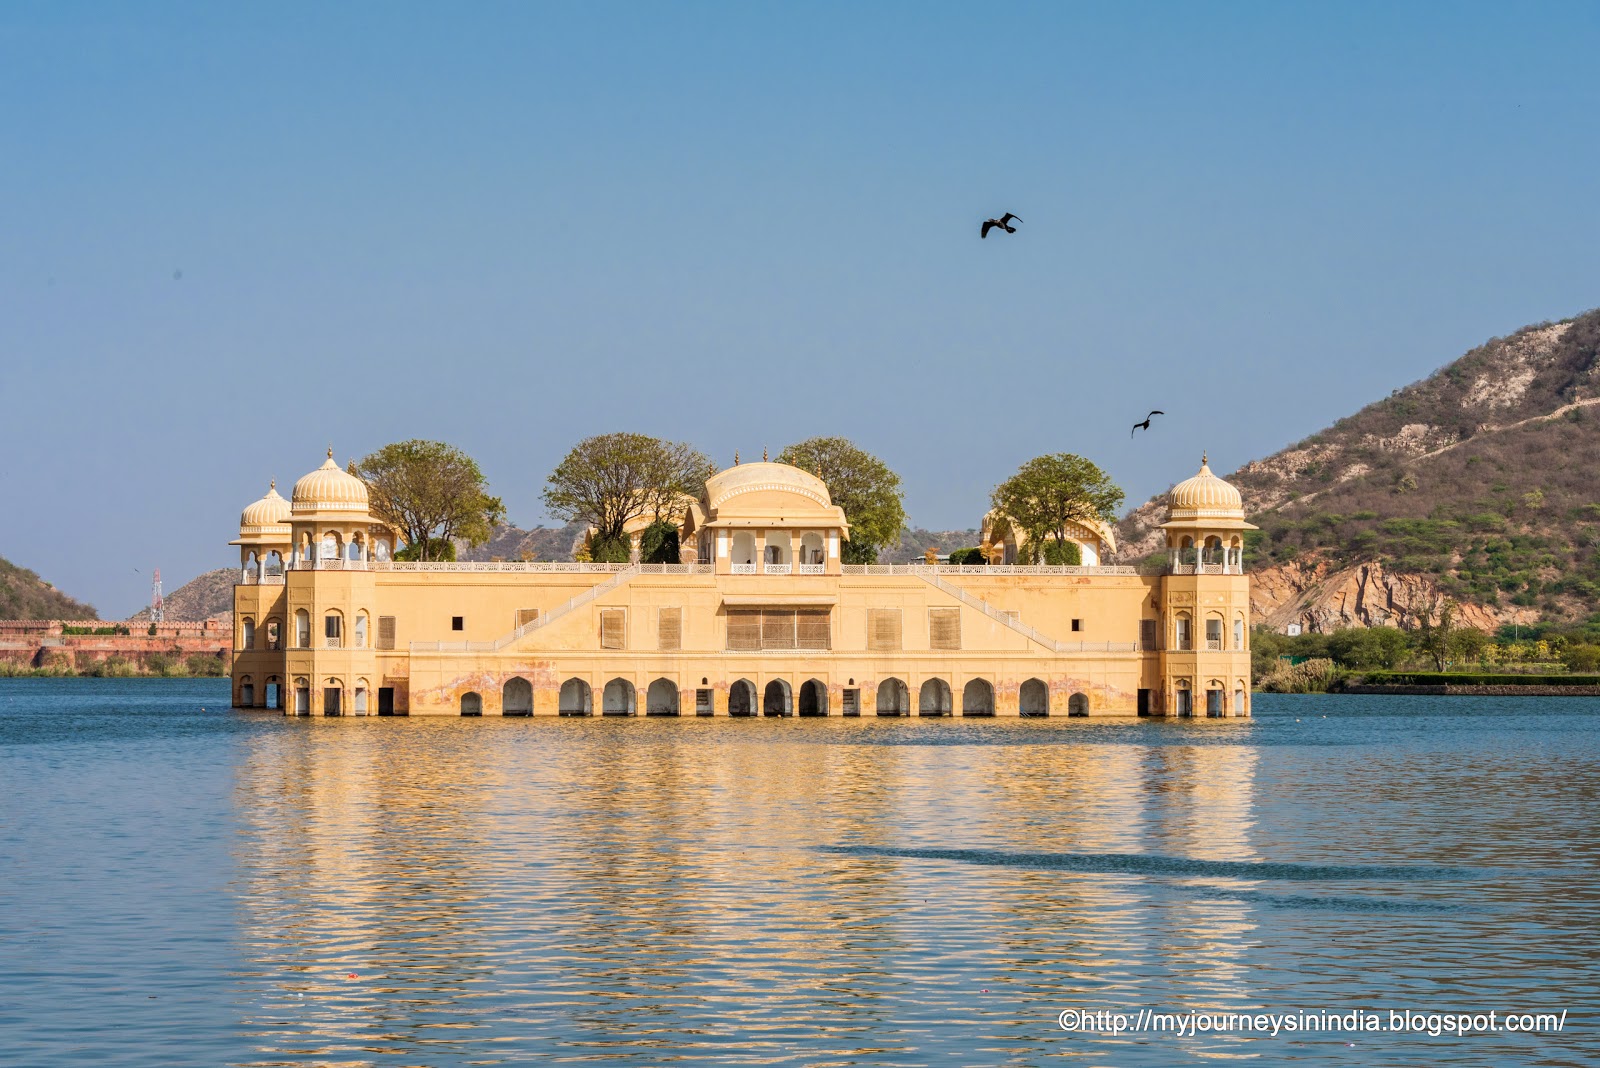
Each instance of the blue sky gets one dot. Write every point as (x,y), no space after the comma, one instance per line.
(511,226)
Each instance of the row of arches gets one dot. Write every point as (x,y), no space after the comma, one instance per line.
(620,697)
(333,631)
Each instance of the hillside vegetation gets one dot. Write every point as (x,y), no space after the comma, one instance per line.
(24,595)
(203,597)
(1479,480)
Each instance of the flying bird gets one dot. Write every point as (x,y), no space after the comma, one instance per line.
(1004,222)
(1146,424)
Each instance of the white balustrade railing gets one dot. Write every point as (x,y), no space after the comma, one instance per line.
(543,567)
(813,569)
(1207,569)
(743,569)
(778,569)
(992,569)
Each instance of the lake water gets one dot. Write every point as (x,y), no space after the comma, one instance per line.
(185,885)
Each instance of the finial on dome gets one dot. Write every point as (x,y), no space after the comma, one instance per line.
(736,457)
(330,450)
(763,454)
(1203,455)
(272,486)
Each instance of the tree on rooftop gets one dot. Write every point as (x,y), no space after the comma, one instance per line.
(861,484)
(1050,494)
(430,492)
(610,480)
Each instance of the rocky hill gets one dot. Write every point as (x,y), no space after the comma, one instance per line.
(530,543)
(24,595)
(914,541)
(205,597)
(1476,483)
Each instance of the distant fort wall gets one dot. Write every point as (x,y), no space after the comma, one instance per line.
(73,644)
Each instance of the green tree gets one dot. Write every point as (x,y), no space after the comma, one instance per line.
(1048,494)
(1369,647)
(658,543)
(610,480)
(430,492)
(1438,624)
(860,483)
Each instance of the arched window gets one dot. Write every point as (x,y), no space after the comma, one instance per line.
(333,630)
(471,704)
(1238,633)
(274,635)
(1033,698)
(361,630)
(1183,632)
(977,698)
(247,633)
(516,698)
(302,629)
(1214,633)
(934,698)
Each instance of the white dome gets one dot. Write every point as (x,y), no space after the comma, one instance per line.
(329,487)
(270,511)
(1205,496)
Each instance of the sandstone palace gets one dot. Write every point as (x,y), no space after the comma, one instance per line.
(759,618)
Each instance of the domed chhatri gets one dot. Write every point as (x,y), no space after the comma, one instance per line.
(270,511)
(329,487)
(760,615)
(1205,496)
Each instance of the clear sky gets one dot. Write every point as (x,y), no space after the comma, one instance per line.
(510,226)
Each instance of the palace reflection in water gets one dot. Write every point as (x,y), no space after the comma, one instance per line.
(598,890)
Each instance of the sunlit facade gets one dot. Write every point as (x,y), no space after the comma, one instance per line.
(760,616)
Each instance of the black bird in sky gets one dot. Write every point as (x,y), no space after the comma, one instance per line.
(1146,424)
(1004,222)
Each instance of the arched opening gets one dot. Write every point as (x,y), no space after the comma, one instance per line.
(778,553)
(302,697)
(1216,697)
(516,698)
(361,630)
(934,698)
(302,629)
(329,547)
(1033,699)
(332,698)
(744,551)
(361,697)
(380,549)
(352,551)
(1214,633)
(247,692)
(811,550)
(1212,551)
(742,698)
(1185,698)
(272,565)
(661,699)
(247,633)
(1183,633)
(1240,696)
(1239,634)
(252,567)
(619,698)
(576,699)
(471,704)
(274,635)
(977,698)
(813,698)
(274,693)
(775,699)
(894,698)
(1078,704)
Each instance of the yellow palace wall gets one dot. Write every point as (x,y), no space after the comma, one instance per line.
(1103,660)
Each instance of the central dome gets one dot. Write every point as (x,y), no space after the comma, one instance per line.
(1205,495)
(332,487)
(755,478)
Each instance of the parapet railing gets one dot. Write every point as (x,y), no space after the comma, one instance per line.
(1206,569)
(991,569)
(545,567)
(618,578)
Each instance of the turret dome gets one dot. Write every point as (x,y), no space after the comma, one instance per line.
(1205,496)
(270,511)
(329,487)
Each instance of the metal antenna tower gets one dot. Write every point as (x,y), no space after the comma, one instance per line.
(158,611)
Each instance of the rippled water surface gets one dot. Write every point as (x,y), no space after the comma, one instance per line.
(184,885)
